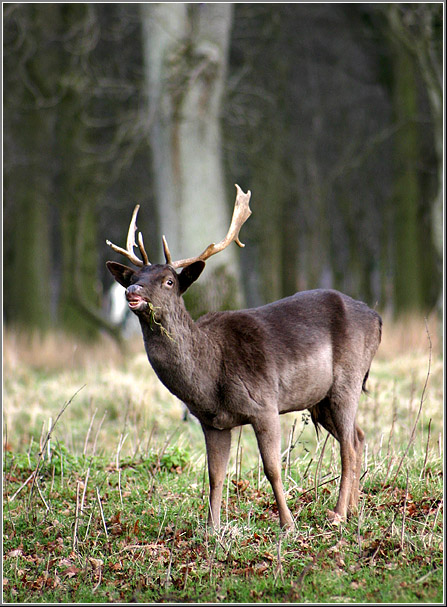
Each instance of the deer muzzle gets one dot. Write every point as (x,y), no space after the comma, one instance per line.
(135,299)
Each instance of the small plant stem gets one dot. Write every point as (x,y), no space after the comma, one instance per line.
(384,534)
(98,497)
(278,569)
(426,451)
(149,439)
(359,525)
(227,497)
(289,448)
(393,421)
(204,476)
(97,433)
(87,436)
(424,577)
(211,561)
(237,453)
(52,482)
(413,432)
(404,516)
(307,468)
(163,450)
(85,489)
(320,460)
(42,497)
(75,530)
(62,467)
(168,573)
(161,526)
(119,488)
(42,449)
(430,539)
(12,498)
(88,525)
(331,480)
(29,451)
(50,424)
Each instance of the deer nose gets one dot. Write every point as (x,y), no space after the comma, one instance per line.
(133,289)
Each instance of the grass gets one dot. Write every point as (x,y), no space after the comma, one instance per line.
(108,501)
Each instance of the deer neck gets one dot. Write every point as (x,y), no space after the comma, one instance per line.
(179,353)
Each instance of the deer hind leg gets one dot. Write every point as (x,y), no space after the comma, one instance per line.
(268,435)
(218,443)
(359,441)
(340,422)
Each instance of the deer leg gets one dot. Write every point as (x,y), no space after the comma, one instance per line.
(218,443)
(338,421)
(359,440)
(268,435)
(348,460)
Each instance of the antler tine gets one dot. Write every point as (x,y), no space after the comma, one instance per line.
(241,213)
(130,243)
(143,250)
(166,251)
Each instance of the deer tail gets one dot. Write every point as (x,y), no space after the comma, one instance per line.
(364,389)
(315,415)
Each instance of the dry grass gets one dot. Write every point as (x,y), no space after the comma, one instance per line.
(408,335)
(56,351)
(42,372)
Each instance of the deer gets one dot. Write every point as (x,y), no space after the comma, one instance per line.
(309,351)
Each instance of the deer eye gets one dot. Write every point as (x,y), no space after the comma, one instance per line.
(169,282)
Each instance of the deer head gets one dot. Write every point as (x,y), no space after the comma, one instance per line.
(161,279)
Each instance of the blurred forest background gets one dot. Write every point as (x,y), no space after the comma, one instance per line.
(331,114)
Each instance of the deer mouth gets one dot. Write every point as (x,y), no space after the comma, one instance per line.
(136,302)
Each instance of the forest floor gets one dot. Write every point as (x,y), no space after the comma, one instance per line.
(106,492)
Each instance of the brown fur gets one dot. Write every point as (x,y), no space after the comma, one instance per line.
(312,350)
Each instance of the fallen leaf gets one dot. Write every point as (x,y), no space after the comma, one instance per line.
(15,553)
(95,563)
(71,571)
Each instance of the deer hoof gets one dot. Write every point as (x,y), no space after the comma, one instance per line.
(334,518)
(287,526)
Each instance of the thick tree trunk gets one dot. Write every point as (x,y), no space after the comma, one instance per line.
(417,48)
(27,278)
(28,285)
(185,57)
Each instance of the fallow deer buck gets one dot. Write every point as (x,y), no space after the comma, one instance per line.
(312,351)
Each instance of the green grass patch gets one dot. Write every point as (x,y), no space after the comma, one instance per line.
(137,533)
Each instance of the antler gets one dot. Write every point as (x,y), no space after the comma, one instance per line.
(130,243)
(241,213)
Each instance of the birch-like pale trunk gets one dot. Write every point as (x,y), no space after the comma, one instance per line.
(185,52)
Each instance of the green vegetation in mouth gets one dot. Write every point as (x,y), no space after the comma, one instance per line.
(153,320)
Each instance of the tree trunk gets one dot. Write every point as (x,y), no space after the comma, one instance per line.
(417,46)
(28,285)
(408,278)
(28,276)
(185,54)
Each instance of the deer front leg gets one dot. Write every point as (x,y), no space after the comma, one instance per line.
(268,435)
(218,443)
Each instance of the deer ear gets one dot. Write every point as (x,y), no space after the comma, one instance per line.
(190,274)
(120,273)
